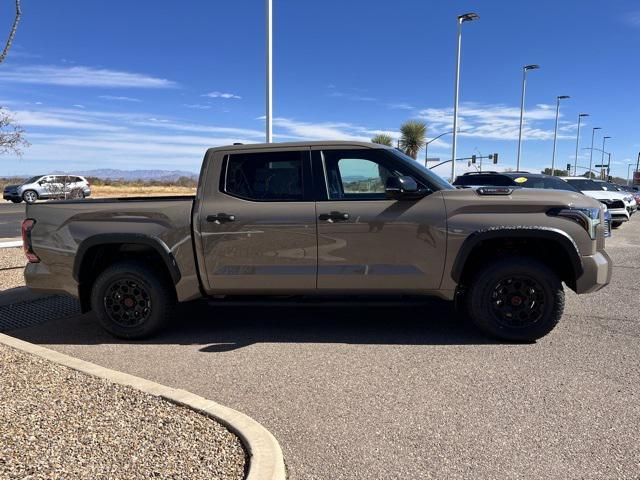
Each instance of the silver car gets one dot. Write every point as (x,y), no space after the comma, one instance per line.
(48,187)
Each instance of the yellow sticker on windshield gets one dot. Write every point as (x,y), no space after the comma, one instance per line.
(520,179)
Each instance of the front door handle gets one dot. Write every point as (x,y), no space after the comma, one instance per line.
(221,218)
(334,216)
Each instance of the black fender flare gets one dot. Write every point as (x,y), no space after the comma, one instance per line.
(537,233)
(127,238)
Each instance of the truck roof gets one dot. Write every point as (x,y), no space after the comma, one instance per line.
(322,143)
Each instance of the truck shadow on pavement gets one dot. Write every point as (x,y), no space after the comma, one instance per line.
(222,329)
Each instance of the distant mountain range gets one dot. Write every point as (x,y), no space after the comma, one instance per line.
(129,175)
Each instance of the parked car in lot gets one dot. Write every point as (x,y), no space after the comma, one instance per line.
(347,220)
(630,198)
(523,180)
(616,202)
(42,187)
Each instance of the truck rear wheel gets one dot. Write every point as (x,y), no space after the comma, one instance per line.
(132,300)
(516,298)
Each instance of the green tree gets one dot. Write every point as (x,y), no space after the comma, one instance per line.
(383,139)
(557,173)
(413,135)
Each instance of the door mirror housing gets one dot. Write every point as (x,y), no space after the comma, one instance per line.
(401,187)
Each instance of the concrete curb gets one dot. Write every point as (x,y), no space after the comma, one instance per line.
(265,456)
(11,244)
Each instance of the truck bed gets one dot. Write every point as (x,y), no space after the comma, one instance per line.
(65,229)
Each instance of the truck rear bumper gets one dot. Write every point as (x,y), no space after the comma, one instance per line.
(37,276)
(597,272)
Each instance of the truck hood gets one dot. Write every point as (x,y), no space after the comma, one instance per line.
(520,200)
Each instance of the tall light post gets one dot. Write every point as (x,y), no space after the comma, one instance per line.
(467,17)
(593,134)
(604,139)
(269,92)
(575,165)
(629,165)
(525,69)
(426,145)
(555,131)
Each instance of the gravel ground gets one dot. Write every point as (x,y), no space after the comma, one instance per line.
(59,423)
(12,262)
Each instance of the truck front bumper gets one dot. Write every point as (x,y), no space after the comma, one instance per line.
(596,272)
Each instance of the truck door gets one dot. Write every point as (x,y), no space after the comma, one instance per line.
(367,242)
(257,222)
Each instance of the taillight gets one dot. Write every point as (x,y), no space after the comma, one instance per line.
(27,226)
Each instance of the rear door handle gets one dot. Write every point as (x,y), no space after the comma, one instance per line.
(221,218)
(334,216)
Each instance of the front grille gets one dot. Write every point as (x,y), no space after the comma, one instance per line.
(613,203)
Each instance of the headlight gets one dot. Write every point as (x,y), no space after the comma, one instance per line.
(628,199)
(587,218)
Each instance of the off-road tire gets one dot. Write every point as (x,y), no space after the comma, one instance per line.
(616,224)
(154,291)
(30,196)
(486,294)
(16,200)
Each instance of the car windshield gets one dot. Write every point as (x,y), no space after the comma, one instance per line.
(583,185)
(33,179)
(612,188)
(547,183)
(430,174)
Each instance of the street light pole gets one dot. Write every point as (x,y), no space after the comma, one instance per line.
(629,165)
(604,139)
(593,134)
(555,131)
(575,165)
(467,17)
(269,93)
(525,69)
(426,145)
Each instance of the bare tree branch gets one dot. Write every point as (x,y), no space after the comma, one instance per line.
(12,32)
(11,135)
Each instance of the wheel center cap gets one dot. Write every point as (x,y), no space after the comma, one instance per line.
(128,302)
(516,301)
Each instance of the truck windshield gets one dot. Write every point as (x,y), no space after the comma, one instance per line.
(433,177)
(583,185)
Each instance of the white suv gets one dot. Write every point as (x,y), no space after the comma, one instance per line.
(616,202)
(48,186)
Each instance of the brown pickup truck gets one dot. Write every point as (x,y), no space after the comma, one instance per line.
(318,219)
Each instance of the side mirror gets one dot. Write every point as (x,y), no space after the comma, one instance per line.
(398,187)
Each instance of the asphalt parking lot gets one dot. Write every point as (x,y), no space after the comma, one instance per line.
(11,216)
(409,392)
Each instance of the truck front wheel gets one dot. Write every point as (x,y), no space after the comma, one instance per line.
(132,300)
(516,298)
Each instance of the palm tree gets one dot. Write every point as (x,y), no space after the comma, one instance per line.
(383,139)
(412,137)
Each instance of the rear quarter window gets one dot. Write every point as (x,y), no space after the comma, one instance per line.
(265,176)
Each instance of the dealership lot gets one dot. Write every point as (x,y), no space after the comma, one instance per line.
(409,392)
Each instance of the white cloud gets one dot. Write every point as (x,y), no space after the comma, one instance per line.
(400,106)
(497,122)
(222,95)
(323,130)
(197,106)
(351,96)
(78,105)
(633,19)
(81,77)
(119,98)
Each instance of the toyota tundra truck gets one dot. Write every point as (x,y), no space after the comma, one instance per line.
(318,220)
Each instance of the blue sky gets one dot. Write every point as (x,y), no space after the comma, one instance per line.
(151,84)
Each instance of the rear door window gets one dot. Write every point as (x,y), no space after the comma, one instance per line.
(266,176)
